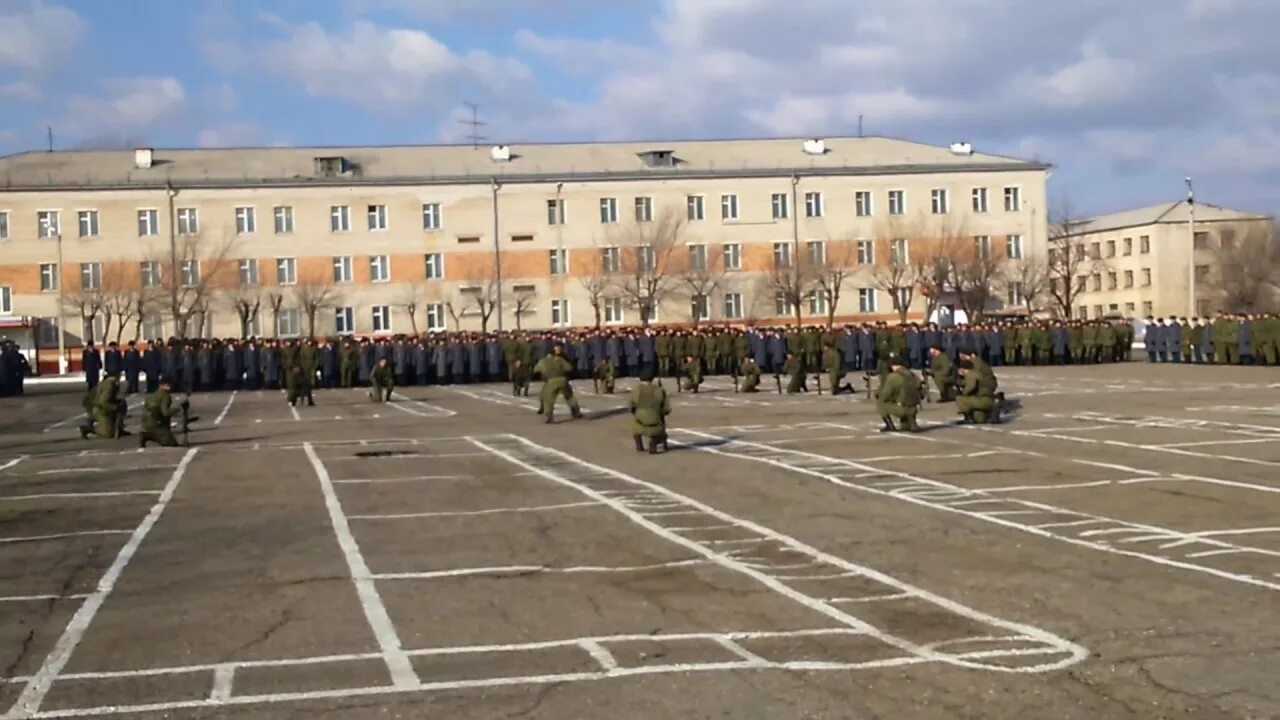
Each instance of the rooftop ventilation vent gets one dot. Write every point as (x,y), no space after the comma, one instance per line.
(961,148)
(815,146)
(143,158)
(500,153)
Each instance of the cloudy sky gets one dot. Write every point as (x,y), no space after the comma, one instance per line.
(1125,97)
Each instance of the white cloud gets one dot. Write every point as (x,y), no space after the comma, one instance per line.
(126,105)
(20,92)
(37,37)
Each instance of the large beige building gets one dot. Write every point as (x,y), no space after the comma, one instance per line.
(1137,263)
(398,239)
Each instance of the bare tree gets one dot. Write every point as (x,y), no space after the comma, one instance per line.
(246,301)
(1245,275)
(791,278)
(700,274)
(275,303)
(120,287)
(410,301)
(89,304)
(831,267)
(1026,281)
(975,277)
(648,261)
(314,293)
(523,300)
(595,283)
(203,264)
(477,296)
(1069,260)
(893,269)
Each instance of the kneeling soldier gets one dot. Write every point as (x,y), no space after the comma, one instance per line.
(108,409)
(750,375)
(650,407)
(606,375)
(943,373)
(692,373)
(381,382)
(157,419)
(899,397)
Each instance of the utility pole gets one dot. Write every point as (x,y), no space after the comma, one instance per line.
(497,252)
(475,123)
(171,193)
(49,129)
(1191,253)
(48,227)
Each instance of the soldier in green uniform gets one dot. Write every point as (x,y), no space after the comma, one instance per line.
(1089,336)
(382,382)
(157,418)
(555,370)
(711,345)
(1107,341)
(692,373)
(833,361)
(1041,345)
(1226,339)
(796,375)
(750,373)
(348,364)
(1075,341)
(898,397)
(519,373)
(606,375)
(811,340)
(977,401)
(108,415)
(662,349)
(87,402)
(650,407)
(288,358)
(943,373)
(298,386)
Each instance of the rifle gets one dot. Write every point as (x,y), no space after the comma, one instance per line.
(595,382)
(817,377)
(866,380)
(734,370)
(777,379)
(186,421)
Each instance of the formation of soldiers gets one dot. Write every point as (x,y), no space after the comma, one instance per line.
(1240,339)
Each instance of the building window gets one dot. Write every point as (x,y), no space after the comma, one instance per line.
(380,268)
(339,218)
(1095,282)
(816,251)
(1112,281)
(431,217)
(866,300)
(90,276)
(148,223)
(728,207)
(782,305)
(88,221)
(344,321)
(287,322)
(1146,309)
(646,260)
(149,273)
(382,318)
(555,211)
(1097,311)
(938,201)
(609,259)
(613,311)
(522,238)
(1095,251)
(1202,273)
(902,295)
(1013,247)
(49,223)
(49,331)
(866,252)
(899,254)
(435,317)
(699,308)
(6,300)
(982,246)
(434,266)
(343,270)
(248,273)
(559,261)
(1083,312)
(696,207)
(1082,282)
(733,306)
(189,273)
(283,219)
(644,209)
(1130,309)
(817,303)
(188,221)
(862,203)
(1014,296)
(49,277)
(813,204)
(1200,240)
(1144,244)
(246,220)
(698,258)
(468,239)
(732,256)
(1111,248)
(4,225)
(781,206)
(1012,199)
(980,200)
(781,255)
(897,202)
(1128,246)
(560,312)
(1128,278)
(377,215)
(608,210)
(1227,239)
(286,271)
(1146,277)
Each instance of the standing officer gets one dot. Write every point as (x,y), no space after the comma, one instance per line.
(555,370)
(91,361)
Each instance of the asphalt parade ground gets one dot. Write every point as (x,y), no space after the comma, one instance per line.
(1111,551)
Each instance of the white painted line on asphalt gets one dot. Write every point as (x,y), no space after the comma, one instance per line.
(402,672)
(467,513)
(13,462)
(134,468)
(61,536)
(294,410)
(223,675)
(1061,486)
(33,694)
(607,661)
(133,404)
(533,569)
(225,408)
(871,598)
(39,598)
(368,481)
(419,408)
(53,496)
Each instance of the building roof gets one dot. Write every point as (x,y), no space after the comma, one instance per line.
(441,164)
(1173,213)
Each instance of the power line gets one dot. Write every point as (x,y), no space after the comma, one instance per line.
(475,123)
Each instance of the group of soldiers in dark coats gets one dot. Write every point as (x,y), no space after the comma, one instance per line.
(1228,339)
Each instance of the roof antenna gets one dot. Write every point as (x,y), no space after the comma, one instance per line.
(49,128)
(475,124)
(859,126)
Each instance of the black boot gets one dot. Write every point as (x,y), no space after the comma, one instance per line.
(576,413)
(888,424)
(639,443)
(84,432)
(653,446)
(142,440)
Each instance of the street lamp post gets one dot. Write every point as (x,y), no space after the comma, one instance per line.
(1191,239)
(48,228)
